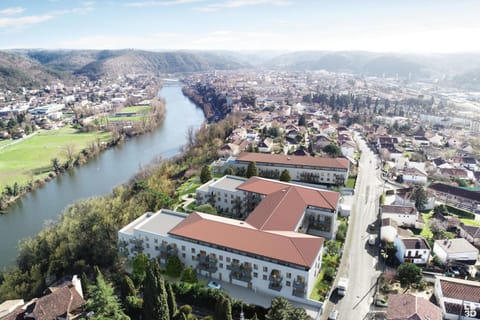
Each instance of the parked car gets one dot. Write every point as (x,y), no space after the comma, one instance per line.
(333,315)
(214,285)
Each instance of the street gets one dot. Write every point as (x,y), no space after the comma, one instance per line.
(359,260)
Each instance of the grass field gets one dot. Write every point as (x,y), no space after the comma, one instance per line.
(137,109)
(31,158)
(141,112)
(470,222)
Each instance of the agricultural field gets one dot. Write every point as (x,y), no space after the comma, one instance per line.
(31,158)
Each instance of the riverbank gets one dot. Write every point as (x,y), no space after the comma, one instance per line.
(31,163)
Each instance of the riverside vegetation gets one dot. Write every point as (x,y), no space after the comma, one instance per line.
(85,237)
(28,164)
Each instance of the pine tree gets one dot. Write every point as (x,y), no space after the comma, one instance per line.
(285,176)
(252,170)
(205,174)
(172,304)
(155,305)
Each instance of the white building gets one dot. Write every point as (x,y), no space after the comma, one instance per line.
(412,250)
(413,176)
(276,262)
(301,168)
(455,250)
(223,194)
(458,299)
(403,215)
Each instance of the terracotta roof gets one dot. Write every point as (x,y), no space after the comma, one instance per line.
(456,308)
(460,289)
(290,247)
(410,307)
(341,163)
(399,209)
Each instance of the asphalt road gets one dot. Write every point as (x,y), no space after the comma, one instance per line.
(359,260)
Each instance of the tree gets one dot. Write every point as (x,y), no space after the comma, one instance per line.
(252,170)
(172,304)
(205,174)
(229,171)
(280,309)
(302,120)
(409,273)
(174,266)
(332,150)
(56,165)
(140,264)
(223,308)
(103,302)
(189,275)
(155,305)
(285,176)
(419,195)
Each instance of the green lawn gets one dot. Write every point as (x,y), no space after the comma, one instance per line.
(5,142)
(31,158)
(426,232)
(471,222)
(137,109)
(351,182)
(132,118)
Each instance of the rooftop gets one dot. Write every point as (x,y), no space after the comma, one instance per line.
(399,209)
(340,163)
(410,307)
(415,243)
(458,245)
(228,183)
(159,223)
(464,290)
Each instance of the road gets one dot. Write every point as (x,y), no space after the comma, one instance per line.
(359,260)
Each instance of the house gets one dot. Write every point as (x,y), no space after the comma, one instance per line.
(9,306)
(458,299)
(348,149)
(454,173)
(457,197)
(410,307)
(63,302)
(306,169)
(470,233)
(455,250)
(413,176)
(412,250)
(403,215)
(266,145)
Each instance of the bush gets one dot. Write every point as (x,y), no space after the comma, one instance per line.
(173,267)
(460,213)
(329,274)
(342,231)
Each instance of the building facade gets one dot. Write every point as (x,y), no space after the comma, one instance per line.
(412,250)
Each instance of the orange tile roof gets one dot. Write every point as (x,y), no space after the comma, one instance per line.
(290,247)
(340,163)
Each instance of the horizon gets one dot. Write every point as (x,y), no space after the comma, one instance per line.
(429,27)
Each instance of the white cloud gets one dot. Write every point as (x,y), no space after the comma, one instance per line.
(147,4)
(11,11)
(243,3)
(23,22)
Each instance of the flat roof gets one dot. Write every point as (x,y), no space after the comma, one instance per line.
(229,183)
(158,223)
(458,245)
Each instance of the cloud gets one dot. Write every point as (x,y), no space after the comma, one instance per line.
(23,22)
(243,3)
(11,11)
(147,4)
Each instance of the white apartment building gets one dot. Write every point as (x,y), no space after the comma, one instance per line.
(275,262)
(301,168)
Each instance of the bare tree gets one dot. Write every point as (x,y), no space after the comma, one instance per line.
(69,150)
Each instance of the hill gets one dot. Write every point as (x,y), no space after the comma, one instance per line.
(17,70)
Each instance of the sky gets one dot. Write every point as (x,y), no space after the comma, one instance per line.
(408,26)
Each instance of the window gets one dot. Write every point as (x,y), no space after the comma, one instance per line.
(289,275)
(288,283)
(193,250)
(255,275)
(148,255)
(255,267)
(156,248)
(183,248)
(221,265)
(193,257)
(265,269)
(264,277)
(183,255)
(148,245)
(228,259)
(220,257)
(146,238)
(155,240)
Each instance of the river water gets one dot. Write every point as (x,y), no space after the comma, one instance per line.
(101,174)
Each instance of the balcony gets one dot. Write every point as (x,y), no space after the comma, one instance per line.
(275,282)
(241,272)
(207,263)
(167,250)
(299,289)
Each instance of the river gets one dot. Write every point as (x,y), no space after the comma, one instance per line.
(101,174)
